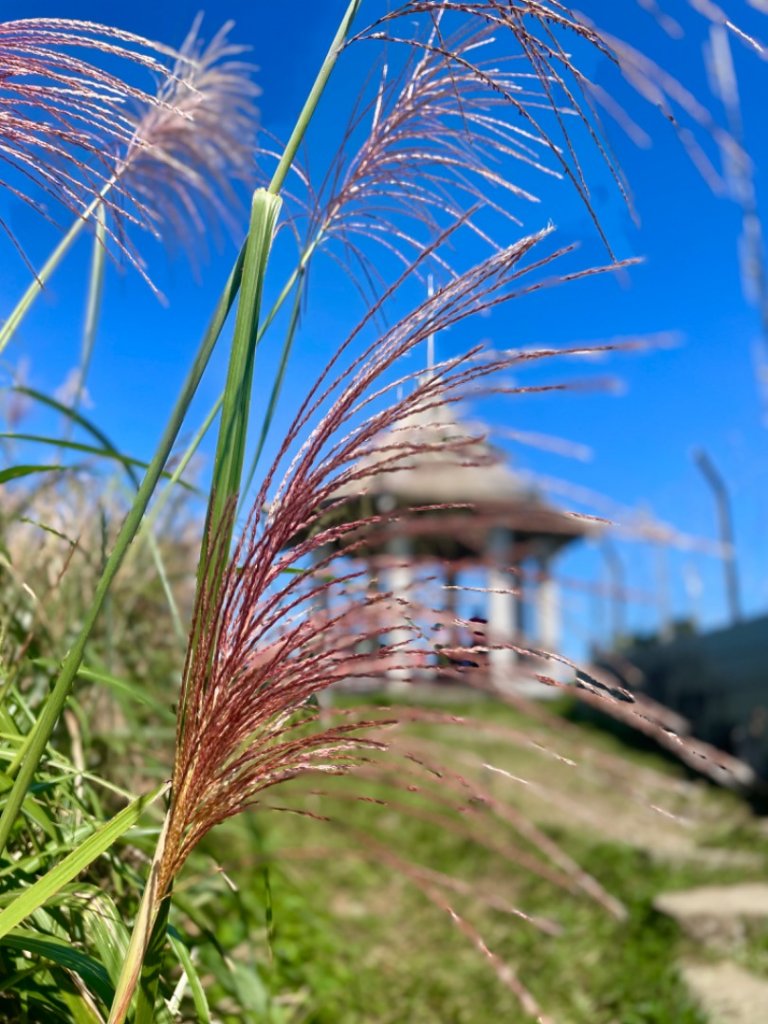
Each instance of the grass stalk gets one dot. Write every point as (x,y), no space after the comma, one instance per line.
(230,452)
(277,384)
(227,474)
(249,270)
(297,135)
(175,477)
(235,410)
(142,935)
(39,282)
(93,306)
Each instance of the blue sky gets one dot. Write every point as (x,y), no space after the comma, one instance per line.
(702,392)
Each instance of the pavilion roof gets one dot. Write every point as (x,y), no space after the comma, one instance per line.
(433,472)
(442,460)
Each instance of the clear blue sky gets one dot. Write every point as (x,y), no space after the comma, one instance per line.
(702,393)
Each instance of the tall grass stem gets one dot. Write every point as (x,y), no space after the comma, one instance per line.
(297,135)
(39,282)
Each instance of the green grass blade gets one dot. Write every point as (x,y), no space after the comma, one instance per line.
(297,274)
(82,1011)
(16,472)
(143,961)
(107,447)
(88,449)
(233,426)
(235,410)
(165,583)
(277,384)
(93,302)
(297,135)
(104,931)
(44,275)
(94,846)
(65,955)
(151,967)
(175,477)
(196,989)
(66,410)
(121,686)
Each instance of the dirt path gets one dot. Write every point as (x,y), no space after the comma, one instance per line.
(564,780)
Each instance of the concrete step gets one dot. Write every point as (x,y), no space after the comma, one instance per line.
(727,993)
(718,916)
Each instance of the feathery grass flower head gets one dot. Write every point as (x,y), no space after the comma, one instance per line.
(284,623)
(535,91)
(73,132)
(435,142)
(61,114)
(194,142)
(489,96)
(552,102)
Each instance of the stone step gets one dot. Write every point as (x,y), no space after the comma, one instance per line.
(727,993)
(718,916)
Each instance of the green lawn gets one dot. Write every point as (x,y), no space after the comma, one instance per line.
(346,931)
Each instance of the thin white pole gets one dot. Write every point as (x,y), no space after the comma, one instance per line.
(431,338)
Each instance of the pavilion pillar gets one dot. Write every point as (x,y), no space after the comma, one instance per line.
(450,604)
(501,607)
(522,600)
(320,599)
(547,609)
(399,583)
(320,606)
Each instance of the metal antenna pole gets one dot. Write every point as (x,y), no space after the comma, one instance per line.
(725,524)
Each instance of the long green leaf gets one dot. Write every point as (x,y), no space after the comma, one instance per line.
(106,447)
(94,846)
(104,929)
(65,955)
(143,961)
(297,274)
(81,1010)
(151,969)
(196,988)
(15,472)
(68,412)
(93,303)
(42,277)
(122,686)
(233,425)
(277,384)
(235,410)
(299,131)
(88,449)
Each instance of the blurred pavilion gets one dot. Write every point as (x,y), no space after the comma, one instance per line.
(505,530)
